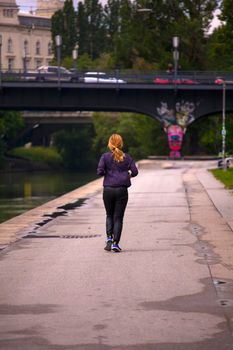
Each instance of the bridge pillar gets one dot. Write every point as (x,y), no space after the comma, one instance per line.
(175,115)
(175,135)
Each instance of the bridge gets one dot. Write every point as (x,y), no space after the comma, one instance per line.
(198,96)
(175,105)
(57,117)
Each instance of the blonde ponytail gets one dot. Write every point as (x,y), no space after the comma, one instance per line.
(115,144)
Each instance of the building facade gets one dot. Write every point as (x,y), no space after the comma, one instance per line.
(48,7)
(26,37)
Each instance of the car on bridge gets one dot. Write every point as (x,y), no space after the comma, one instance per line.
(178,81)
(53,73)
(100,77)
(218,81)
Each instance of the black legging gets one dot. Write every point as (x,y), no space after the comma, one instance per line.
(115,201)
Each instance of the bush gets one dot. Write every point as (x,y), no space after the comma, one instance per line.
(75,147)
(46,155)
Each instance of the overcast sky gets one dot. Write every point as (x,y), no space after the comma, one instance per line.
(26,5)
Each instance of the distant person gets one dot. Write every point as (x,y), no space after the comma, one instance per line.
(170,69)
(117,168)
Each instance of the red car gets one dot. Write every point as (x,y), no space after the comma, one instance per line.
(218,81)
(172,81)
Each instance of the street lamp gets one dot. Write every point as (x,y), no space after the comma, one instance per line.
(24,60)
(0,59)
(224,132)
(175,42)
(58,41)
(223,123)
(144,10)
(75,56)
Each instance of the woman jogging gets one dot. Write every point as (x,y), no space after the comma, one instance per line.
(117,168)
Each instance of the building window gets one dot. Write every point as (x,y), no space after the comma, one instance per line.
(49,48)
(10,64)
(26,47)
(38,63)
(9,45)
(8,13)
(37,48)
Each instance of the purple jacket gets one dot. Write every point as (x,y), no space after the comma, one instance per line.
(116,173)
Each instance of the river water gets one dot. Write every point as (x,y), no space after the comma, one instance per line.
(21,191)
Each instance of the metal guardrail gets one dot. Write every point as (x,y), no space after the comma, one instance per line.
(129,76)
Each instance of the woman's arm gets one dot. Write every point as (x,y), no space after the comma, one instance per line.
(133,170)
(101,166)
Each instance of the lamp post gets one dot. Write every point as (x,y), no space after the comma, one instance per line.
(224,131)
(175,42)
(0,59)
(58,41)
(75,56)
(223,123)
(24,61)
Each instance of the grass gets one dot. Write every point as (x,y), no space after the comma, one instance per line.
(225,176)
(46,155)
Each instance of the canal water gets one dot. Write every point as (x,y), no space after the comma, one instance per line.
(21,191)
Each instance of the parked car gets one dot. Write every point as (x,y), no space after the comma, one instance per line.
(165,81)
(100,77)
(50,73)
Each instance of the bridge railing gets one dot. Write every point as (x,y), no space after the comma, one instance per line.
(127,76)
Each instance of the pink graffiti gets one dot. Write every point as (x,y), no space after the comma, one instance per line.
(175,137)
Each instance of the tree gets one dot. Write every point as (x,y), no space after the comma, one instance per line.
(142,135)
(91,30)
(112,23)
(123,38)
(64,24)
(167,18)
(75,147)
(220,45)
(11,123)
(197,18)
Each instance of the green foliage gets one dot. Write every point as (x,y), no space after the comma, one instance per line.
(85,62)
(63,23)
(142,135)
(203,136)
(74,147)
(226,177)
(11,123)
(220,44)
(46,155)
(91,29)
(127,38)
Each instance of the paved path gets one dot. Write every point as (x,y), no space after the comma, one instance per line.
(171,288)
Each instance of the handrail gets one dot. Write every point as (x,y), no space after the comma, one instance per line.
(128,76)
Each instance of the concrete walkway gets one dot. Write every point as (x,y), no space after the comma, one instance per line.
(171,288)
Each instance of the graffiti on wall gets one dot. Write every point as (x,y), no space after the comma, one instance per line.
(175,122)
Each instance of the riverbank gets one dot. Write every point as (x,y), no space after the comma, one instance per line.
(15,228)
(19,164)
(22,191)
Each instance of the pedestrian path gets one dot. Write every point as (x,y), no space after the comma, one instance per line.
(170,288)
